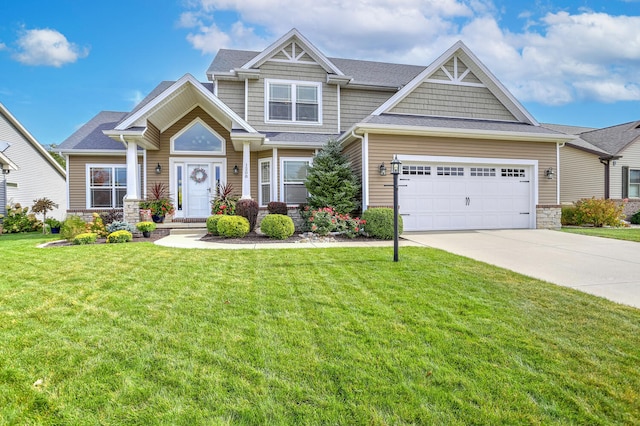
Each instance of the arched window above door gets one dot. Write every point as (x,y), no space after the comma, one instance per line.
(197,138)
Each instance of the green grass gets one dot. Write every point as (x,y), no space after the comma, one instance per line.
(629,234)
(141,334)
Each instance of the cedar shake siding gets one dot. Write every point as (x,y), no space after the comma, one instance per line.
(356,104)
(447,100)
(383,147)
(232,94)
(581,175)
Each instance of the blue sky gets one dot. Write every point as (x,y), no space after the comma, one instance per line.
(61,62)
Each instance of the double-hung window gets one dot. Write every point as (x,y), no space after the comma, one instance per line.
(634,183)
(264,181)
(298,102)
(106,186)
(294,173)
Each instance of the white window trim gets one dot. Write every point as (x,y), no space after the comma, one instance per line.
(187,127)
(629,184)
(293,83)
(88,168)
(174,162)
(282,161)
(261,161)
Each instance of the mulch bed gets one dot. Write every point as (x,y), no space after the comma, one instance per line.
(137,238)
(255,238)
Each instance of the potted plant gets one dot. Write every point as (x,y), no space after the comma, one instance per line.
(145,211)
(159,202)
(146,228)
(54,225)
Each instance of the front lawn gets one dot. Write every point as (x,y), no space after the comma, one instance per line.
(140,334)
(629,234)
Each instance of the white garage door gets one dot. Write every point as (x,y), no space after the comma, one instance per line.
(465,196)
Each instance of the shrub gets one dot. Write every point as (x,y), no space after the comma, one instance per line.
(120,236)
(568,215)
(379,223)
(233,226)
(111,216)
(635,218)
(277,226)
(72,226)
(249,210)
(277,207)
(84,238)
(120,226)
(599,212)
(212,224)
(325,220)
(97,226)
(18,219)
(146,226)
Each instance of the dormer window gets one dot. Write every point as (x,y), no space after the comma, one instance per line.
(197,138)
(293,101)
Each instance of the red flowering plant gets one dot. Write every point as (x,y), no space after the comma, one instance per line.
(224,202)
(326,220)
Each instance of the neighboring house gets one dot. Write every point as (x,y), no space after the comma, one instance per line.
(29,171)
(601,163)
(472,156)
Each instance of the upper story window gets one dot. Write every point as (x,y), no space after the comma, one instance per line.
(197,138)
(289,101)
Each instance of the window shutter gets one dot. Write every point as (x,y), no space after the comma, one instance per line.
(625,182)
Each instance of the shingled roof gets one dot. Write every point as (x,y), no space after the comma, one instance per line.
(90,137)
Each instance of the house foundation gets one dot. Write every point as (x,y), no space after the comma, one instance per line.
(548,216)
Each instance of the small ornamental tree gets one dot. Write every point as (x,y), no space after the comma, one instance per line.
(42,206)
(331,182)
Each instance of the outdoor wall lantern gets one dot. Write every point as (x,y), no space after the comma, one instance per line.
(383,169)
(158,169)
(549,173)
(236,170)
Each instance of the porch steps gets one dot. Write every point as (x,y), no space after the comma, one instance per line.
(188,231)
(191,227)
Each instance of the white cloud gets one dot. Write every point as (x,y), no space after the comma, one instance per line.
(3,46)
(555,59)
(47,47)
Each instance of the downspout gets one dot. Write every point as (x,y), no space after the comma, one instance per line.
(365,170)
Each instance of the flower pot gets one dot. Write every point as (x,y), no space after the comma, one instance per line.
(146,234)
(157,219)
(145,215)
(55,230)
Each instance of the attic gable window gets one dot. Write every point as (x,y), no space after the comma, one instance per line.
(298,102)
(197,138)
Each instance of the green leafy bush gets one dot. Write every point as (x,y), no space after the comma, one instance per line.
(248,209)
(277,226)
(121,236)
(72,226)
(233,226)
(599,212)
(212,224)
(379,223)
(277,207)
(635,218)
(120,226)
(18,219)
(84,238)
(568,215)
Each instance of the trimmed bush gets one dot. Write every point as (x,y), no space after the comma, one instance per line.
(277,226)
(121,236)
(120,226)
(277,207)
(379,223)
(85,238)
(635,218)
(146,226)
(233,226)
(212,224)
(249,210)
(72,226)
(568,215)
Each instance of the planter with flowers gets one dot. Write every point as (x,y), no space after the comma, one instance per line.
(146,228)
(159,202)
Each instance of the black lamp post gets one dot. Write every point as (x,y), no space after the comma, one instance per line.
(395,171)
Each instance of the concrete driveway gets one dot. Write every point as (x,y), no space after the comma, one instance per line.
(604,267)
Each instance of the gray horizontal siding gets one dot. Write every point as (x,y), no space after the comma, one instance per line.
(355,105)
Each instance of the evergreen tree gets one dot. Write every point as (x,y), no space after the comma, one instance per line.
(331,182)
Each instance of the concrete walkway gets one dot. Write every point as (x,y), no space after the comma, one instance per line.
(604,267)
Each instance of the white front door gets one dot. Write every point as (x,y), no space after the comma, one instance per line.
(193,186)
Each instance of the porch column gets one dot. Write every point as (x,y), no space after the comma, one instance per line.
(246,170)
(132,175)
